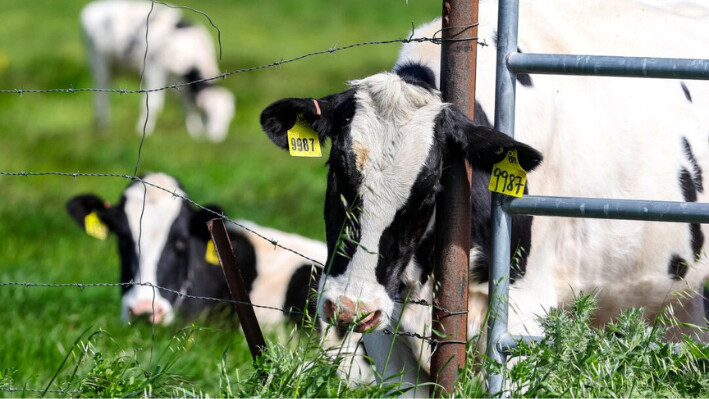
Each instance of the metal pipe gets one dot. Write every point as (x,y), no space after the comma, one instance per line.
(563,64)
(499,275)
(450,315)
(602,208)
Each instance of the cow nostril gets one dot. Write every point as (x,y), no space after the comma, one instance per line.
(329,309)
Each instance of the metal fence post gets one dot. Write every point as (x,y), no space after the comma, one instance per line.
(245,311)
(453,208)
(499,276)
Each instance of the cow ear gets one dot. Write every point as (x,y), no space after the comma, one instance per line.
(92,214)
(483,145)
(323,115)
(199,219)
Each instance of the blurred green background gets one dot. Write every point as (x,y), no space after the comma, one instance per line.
(41,48)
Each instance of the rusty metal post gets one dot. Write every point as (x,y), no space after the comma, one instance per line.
(458,60)
(244,310)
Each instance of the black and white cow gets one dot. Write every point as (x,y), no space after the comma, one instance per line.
(602,137)
(173,252)
(115,33)
(173,243)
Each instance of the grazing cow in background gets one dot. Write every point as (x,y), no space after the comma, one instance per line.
(115,33)
(173,253)
(601,137)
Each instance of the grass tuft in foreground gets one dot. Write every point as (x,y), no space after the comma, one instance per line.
(628,358)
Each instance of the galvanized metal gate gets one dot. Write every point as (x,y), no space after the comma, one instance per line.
(509,63)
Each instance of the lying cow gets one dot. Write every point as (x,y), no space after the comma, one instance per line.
(602,137)
(173,254)
(178,52)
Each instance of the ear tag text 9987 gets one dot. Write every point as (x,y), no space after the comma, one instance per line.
(303,141)
(507,176)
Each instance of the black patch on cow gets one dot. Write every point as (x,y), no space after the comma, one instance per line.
(481,224)
(697,237)
(401,238)
(685,89)
(689,190)
(194,75)
(173,265)
(417,74)
(697,176)
(678,267)
(343,180)
(523,78)
(183,23)
(300,294)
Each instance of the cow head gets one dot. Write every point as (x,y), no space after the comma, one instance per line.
(157,234)
(391,134)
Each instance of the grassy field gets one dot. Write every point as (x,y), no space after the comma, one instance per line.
(41,48)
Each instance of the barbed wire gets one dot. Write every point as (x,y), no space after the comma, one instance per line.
(177,86)
(430,340)
(217,215)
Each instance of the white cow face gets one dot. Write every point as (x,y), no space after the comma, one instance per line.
(158,236)
(391,135)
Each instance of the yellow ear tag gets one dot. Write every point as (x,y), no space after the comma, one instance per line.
(303,140)
(508,177)
(211,255)
(95,227)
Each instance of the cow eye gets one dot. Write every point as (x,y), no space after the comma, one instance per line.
(180,244)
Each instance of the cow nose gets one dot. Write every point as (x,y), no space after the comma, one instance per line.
(345,313)
(153,311)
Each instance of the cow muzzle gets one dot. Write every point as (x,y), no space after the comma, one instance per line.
(346,313)
(153,312)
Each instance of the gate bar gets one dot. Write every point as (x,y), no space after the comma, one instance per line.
(601,65)
(499,273)
(603,208)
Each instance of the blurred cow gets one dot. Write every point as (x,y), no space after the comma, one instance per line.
(115,33)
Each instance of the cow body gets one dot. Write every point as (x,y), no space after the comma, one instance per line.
(602,137)
(115,33)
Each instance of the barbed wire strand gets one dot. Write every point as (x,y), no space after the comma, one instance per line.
(237,71)
(217,215)
(135,173)
(196,297)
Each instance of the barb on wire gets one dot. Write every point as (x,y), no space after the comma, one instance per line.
(430,340)
(237,71)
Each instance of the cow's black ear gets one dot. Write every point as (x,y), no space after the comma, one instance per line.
(484,146)
(199,219)
(85,205)
(324,116)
